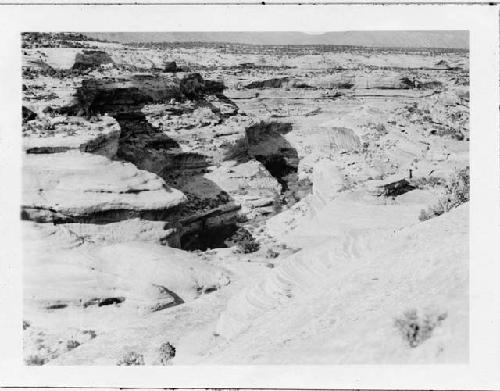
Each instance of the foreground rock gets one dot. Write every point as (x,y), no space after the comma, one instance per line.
(85,287)
(348,299)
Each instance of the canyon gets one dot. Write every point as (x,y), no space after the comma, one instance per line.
(245,204)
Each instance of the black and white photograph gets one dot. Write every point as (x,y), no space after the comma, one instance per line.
(253,196)
(245,197)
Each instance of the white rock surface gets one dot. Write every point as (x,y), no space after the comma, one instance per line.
(81,184)
(337,302)
(67,283)
(328,179)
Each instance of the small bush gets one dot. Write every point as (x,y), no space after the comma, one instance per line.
(416,329)
(167,352)
(428,182)
(35,360)
(244,240)
(26,324)
(130,359)
(457,193)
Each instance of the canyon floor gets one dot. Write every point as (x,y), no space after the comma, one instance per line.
(243,204)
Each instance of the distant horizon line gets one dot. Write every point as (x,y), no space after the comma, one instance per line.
(415,39)
(294,44)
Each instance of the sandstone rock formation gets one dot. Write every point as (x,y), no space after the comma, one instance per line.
(76,187)
(62,133)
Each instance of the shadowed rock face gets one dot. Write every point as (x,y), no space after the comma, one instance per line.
(278,82)
(267,145)
(193,86)
(199,224)
(28,114)
(171,67)
(140,142)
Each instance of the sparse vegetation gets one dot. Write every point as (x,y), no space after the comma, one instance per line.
(131,359)
(244,241)
(36,360)
(416,329)
(167,353)
(457,193)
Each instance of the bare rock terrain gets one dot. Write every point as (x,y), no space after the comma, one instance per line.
(244,204)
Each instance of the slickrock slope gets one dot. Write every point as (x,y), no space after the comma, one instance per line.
(347,300)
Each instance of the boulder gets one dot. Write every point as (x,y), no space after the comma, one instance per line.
(171,67)
(91,59)
(193,86)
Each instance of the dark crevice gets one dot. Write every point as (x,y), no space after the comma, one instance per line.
(208,238)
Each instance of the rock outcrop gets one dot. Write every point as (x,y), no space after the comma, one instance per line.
(63,278)
(277,82)
(267,144)
(76,187)
(61,133)
(91,59)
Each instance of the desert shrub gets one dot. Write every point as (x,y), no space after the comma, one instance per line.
(457,193)
(167,352)
(416,329)
(35,360)
(244,240)
(381,129)
(130,359)
(26,324)
(428,182)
